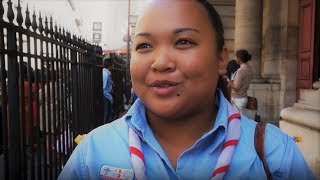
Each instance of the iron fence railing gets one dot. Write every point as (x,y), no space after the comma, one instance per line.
(119,80)
(51,91)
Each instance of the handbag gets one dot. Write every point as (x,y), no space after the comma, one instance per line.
(252,103)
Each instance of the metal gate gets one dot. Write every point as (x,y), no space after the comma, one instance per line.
(51,91)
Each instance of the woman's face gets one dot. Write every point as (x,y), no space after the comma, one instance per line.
(174,64)
(238,60)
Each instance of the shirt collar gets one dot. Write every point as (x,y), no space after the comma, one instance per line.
(222,115)
(136,116)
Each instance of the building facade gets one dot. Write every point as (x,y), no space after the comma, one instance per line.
(283,37)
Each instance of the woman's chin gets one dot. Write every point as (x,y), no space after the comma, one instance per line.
(168,111)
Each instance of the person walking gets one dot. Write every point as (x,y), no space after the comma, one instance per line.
(107,89)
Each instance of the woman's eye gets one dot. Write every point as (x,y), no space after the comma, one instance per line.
(185,42)
(142,46)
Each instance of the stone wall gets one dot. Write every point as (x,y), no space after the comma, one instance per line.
(271,33)
(279,57)
(280,45)
(268,95)
(226,9)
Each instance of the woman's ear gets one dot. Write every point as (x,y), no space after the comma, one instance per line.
(223,60)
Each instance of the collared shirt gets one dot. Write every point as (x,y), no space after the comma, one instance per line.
(107,84)
(107,146)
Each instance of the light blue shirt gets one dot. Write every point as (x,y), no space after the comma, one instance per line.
(107,84)
(107,145)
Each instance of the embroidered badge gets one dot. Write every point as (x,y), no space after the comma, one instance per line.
(113,173)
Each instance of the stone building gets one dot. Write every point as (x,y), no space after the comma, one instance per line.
(283,37)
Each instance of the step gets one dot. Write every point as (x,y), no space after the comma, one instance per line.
(311,96)
(304,117)
(307,105)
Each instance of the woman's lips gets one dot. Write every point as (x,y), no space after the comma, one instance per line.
(164,87)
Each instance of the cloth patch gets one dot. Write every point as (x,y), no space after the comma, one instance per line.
(113,173)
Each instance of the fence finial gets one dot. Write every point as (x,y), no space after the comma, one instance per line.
(74,41)
(70,37)
(67,37)
(34,21)
(40,23)
(19,14)
(59,33)
(56,34)
(27,21)
(80,42)
(10,13)
(63,34)
(84,44)
(51,26)
(1,10)
(46,29)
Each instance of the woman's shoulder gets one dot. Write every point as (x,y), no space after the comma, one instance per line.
(113,131)
(113,135)
(275,140)
(106,146)
(277,144)
(282,154)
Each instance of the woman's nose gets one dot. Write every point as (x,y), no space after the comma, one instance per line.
(163,61)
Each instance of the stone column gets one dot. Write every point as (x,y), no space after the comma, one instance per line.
(248,31)
(272,50)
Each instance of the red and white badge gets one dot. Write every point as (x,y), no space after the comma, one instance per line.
(113,173)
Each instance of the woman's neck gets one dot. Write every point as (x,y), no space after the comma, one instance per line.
(242,64)
(177,135)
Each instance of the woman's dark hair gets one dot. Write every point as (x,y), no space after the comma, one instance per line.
(243,55)
(232,67)
(216,22)
(217,25)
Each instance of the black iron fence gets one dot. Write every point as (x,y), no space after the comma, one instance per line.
(51,91)
(119,85)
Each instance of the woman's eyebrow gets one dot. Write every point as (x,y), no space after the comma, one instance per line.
(143,34)
(180,30)
(176,31)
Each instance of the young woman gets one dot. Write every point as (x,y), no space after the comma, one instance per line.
(182,126)
(242,79)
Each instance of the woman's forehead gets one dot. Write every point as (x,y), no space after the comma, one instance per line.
(164,13)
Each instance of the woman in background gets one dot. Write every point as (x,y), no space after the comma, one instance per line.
(242,79)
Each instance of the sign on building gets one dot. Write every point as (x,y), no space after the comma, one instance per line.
(97,32)
(97,26)
(97,37)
